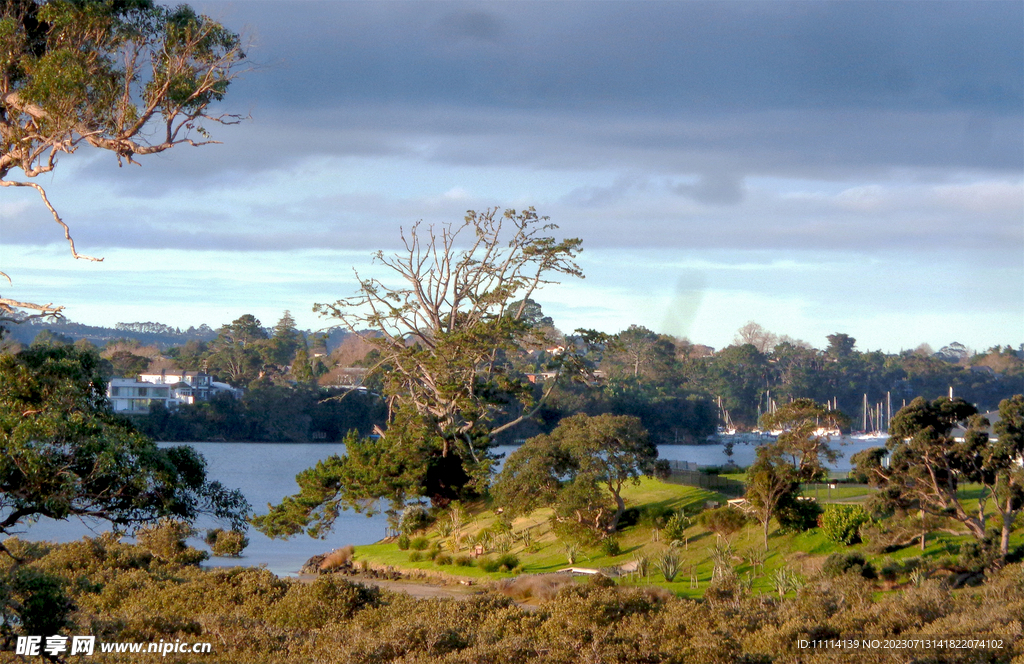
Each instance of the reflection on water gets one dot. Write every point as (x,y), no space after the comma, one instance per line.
(265,472)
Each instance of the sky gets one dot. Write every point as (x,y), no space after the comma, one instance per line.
(816,167)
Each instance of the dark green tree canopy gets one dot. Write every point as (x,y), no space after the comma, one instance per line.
(935,447)
(66,454)
(579,469)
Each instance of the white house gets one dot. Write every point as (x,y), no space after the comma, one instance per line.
(128,395)
(187,386)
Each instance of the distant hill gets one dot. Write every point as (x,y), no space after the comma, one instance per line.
(148,334)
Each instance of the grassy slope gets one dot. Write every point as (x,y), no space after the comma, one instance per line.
(801,552)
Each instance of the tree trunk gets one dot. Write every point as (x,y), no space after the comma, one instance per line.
(1004,540)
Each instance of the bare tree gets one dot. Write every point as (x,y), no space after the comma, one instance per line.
(445,331)
(752,333)
(130,78)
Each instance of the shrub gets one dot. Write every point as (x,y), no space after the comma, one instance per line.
(841,523)
(419,543)
(434,551)
(668,564)
(601,581)
(415,556)
(488,564)
(403,543)
(675,527)
(507,562)
(543,587)
(414,517)
(228,542)
(838,564)
(166,541)
(662,469)
(799,516)
(723,521)
(443,559)
(611,547)
(464,560)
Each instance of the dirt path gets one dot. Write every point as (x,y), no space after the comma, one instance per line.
(417,589)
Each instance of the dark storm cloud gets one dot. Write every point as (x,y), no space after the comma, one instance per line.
(708,56)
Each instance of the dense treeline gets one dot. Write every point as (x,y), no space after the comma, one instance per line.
(147,593)
(274,413)
(680,391)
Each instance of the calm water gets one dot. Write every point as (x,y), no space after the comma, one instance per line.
(265,472)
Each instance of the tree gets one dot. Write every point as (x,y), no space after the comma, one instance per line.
(127,76)
(66,454)
(772,485)
(445,333)
(128,364)
(1002,459)
(754,334)
(929,461)
(806,430)
(639,353)
(580,469)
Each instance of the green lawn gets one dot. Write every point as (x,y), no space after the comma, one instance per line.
(801,553)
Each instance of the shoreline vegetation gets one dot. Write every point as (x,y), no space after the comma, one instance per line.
(728,602)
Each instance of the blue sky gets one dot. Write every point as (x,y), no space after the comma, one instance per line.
(817,167)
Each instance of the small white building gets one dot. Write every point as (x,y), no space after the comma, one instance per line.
(128,395)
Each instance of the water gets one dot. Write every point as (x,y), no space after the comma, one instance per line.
(265,472)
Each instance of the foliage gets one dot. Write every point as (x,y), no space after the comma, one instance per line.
(579,470)
(611,547)
(257,617)
(928,462)
(841,523)
(772,485)
(675,527)
(370,469)
(414,517)
(444,334)
(798,516)
(132,78)
(166,541)
(668,564)
(723,521)
(805,434)
(226,542)
(838,564)
(66,454)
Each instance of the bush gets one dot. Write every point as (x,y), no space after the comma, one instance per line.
(166,541)
(662,469)
(488,564)
(464,560)
(723,521)
(443,559)
(675,527)
(414,517)
(668,564)
(841,523)
(226,542)
(403,543)
(838,564)
(419,543)
(415,556)
(611,547)
(507,562)
(799,516)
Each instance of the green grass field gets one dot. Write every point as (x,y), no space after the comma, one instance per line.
(801,553)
